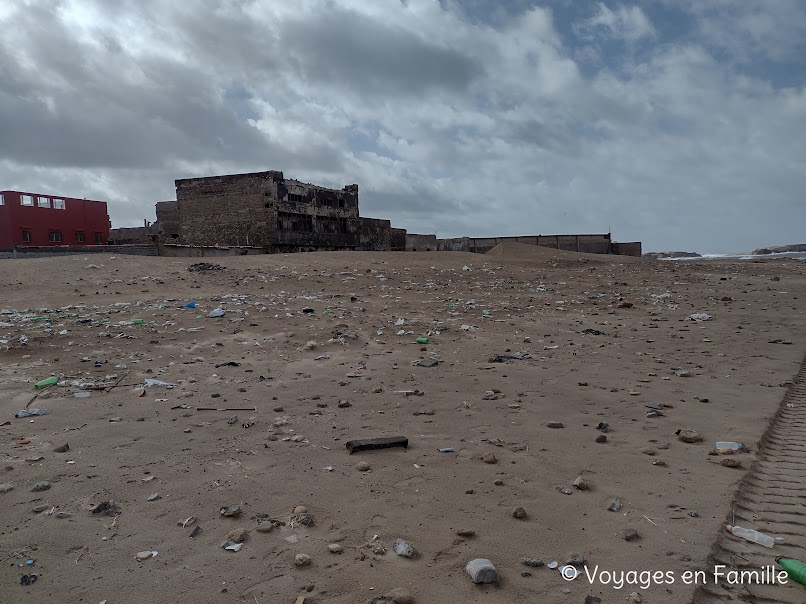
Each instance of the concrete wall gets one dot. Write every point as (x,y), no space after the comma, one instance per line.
(421,243)
(398,240)
(633,248)
(590,243)
(375,235)
(49,252)
(132,235)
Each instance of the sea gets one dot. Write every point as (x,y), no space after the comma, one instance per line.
(742,256)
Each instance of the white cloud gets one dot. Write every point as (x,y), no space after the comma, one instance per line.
(448,125)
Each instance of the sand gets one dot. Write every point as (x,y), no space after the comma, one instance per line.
(131,443)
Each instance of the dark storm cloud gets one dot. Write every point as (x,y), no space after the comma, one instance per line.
(349,50)
(79,108)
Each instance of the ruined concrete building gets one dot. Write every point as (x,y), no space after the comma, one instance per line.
(262,212)
(268,211)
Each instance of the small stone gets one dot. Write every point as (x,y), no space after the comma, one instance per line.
(238,535)
(564,490)
(601,438)
(344,404)
(40,508)
(265,527)
(593,600)
(615,505)
(398,595)
(278,409)
(581,484)
(231,511)
(489,458)
(526,573)
(335,548)
(555,425)
(404,549)
(363,466)
(62,449)
(731,463)
(466,533)
(630,534)
(300,509)
(519,513)
(154,497)
(683,373)
(42,485)
(649,451)
(575,559)
(689,436)
(481,570)
(144,555)
(659,462)
(6,487)
(302,560)
(534,562)
(498,482)
(634,598)
(63,515)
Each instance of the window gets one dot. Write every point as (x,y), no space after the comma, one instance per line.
(44,202)
(79,237)
(55,237)
(58,204)
(295,197)
(2,201)
(26,200)
(26,236)
(99,239)
(341,203)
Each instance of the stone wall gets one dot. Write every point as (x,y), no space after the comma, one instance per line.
(265,210)
(132,235)
(168,219)
(589,243)
(228,210)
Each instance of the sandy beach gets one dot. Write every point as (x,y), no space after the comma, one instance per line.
(322,347)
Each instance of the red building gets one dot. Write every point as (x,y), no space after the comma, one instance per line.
(28,219)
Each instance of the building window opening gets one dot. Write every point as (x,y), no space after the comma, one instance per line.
(58,204)
(2,201)
(55,237)
(98,239)
(44,202)
(26,236)
(27,200)
(79,237)
(295,197)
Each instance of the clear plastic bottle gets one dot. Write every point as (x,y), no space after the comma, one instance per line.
(751,535)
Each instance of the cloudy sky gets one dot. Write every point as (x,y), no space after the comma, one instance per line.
(680,123)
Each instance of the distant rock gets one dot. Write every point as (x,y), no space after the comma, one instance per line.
(673,255)
(778,249)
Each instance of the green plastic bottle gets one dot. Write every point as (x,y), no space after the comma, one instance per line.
(422,340)
(46,382)
(794,568)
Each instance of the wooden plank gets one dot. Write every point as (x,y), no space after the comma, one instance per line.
(370,444)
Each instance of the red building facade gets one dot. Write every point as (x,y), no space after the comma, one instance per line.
(31,219)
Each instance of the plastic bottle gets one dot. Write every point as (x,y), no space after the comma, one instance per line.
(794,568)
(422,340)
(751,535)
(729,445)
(46,382)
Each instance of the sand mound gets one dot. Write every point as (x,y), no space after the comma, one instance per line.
(524,251)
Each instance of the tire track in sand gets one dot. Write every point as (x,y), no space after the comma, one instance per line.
(772,499)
